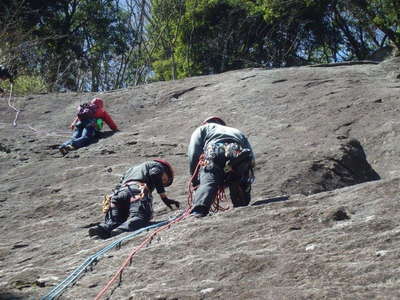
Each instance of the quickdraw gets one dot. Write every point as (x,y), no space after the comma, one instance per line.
(106,203)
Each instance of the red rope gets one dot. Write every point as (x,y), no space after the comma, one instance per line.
(220,197)
(118,274)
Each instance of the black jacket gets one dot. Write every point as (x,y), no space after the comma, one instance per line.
(212,132)
(149,172)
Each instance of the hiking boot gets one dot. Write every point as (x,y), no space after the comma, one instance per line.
(99,231)
(116,231)
(63,151)
(69,148)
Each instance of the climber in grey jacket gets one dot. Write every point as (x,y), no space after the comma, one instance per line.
(131,204)
(226,159)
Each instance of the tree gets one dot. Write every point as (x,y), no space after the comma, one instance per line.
(384,14)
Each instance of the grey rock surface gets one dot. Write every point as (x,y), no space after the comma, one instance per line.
(324,219)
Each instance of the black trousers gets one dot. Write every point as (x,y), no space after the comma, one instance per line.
(126,214)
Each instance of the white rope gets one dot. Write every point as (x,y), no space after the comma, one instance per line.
(13,107)
(41,132)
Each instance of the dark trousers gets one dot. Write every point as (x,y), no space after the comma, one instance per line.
(126,214)
(212,177)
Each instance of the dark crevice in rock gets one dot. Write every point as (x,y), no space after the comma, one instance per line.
(346,63)
(348,166)
(347,124)
(270,200)
(247,77)
(4,148)
(319,82)
(337,214)
(175,94)
(279,80)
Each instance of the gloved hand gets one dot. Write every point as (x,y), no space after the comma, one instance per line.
(169,202)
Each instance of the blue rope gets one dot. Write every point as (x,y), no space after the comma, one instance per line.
(56,291)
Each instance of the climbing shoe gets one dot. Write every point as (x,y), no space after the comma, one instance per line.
(99,231)
(63,151)
(69,148)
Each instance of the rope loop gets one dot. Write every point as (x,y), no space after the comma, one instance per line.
(219,198)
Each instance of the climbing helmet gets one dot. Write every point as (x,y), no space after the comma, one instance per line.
(168,169)
(214,119)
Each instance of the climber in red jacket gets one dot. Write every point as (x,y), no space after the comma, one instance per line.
(87,129)
(101,113)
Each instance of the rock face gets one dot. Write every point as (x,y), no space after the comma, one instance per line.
(346,165)
(323,221)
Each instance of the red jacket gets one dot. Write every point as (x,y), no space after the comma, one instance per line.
(101,113)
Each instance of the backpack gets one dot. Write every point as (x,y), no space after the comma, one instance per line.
(86,111)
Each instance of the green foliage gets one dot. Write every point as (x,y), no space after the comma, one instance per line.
(25,85)
(384,14)
(106,44)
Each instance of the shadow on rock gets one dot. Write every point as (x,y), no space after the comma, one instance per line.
(271,200)
(345,164)
(104,134)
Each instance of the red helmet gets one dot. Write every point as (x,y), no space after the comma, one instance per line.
(168,169)
(214,119)
(98,102)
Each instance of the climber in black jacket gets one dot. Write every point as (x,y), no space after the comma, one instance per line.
(131,206)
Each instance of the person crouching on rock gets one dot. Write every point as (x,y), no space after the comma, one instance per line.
(131,205)
(219,156)
(87,125)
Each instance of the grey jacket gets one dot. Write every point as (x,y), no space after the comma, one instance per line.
(149,172)
(212,132)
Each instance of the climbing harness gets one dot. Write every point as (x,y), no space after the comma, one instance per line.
(74,276)
(142,187)
(238,160)
(12,106)
(77,273)
(106,203)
